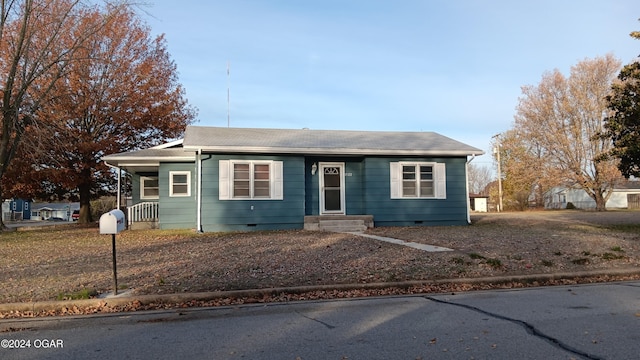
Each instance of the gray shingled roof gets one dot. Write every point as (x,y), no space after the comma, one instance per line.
(330,142)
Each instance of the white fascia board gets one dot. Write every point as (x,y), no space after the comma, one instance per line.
(332,151)
(168,145)
(143,159)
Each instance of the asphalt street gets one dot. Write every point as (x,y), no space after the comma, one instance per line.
(600,321)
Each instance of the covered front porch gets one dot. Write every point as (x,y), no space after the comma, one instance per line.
(143,216)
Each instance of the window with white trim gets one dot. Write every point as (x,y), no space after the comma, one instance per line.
(149,188)
(179,183)
(250,179)
(417,180)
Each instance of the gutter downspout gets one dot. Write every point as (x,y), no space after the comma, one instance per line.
(119,177)
(466,175)
(199,191)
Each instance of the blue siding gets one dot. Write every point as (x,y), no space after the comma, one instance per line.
(403,212)
(251,214)
(367,183)
(176,212)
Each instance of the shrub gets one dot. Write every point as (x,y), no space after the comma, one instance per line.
(547,263)
(494,263)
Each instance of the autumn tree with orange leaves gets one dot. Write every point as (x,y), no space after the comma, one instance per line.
(39,39)
(121,94)
(557,138)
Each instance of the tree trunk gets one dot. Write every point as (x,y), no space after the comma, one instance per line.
(601,202)
(85,197)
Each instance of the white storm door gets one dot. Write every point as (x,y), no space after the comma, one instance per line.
(331,188)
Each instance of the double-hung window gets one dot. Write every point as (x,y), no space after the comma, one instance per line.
(149,188)
(417,180)
(179,183)
(250,179)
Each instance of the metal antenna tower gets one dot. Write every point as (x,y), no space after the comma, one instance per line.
(228,94)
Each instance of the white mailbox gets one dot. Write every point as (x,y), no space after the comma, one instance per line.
(112,222)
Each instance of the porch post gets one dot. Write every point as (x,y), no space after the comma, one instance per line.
(119,187)
(199,190)
(119,172)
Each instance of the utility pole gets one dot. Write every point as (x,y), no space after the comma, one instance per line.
(496,151)
(228,94)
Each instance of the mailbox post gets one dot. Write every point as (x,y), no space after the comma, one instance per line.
(112,223)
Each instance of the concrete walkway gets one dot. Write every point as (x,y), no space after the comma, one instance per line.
(424,247)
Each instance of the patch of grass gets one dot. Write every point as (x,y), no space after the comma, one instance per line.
(612,256)
(494,263)
(457,260)
(78,295)
(580,261)
(517,257)
(547,263)
(475,256)
(630,228)
(616,249)
(586,253)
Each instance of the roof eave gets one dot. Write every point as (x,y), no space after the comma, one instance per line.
(331,151)
(149,160)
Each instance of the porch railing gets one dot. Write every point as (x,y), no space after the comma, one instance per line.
(145,211)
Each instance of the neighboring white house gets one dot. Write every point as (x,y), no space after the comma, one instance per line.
(53,211)
(625,196)
(6,210)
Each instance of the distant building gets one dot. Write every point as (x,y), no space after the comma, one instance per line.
(625,196)
(479,203)
(53,211)
(16,210)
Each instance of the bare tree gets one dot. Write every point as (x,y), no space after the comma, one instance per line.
(479,177)
(563,119)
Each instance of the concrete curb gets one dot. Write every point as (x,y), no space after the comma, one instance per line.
(207,296)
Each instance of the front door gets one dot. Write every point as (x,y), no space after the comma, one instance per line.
(332,188)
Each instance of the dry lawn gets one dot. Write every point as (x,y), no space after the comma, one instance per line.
(51,264)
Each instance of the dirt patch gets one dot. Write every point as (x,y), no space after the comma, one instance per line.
(52,264)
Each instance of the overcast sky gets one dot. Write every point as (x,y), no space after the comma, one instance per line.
(455,67)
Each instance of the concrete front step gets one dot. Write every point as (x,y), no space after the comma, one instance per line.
(339,223)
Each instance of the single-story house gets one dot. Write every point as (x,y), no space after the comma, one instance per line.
(624,196)
(219,179)
(60,211)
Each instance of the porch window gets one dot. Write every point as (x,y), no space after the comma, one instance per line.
(179,183)
(250,179)
(149,188)
(417,180)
